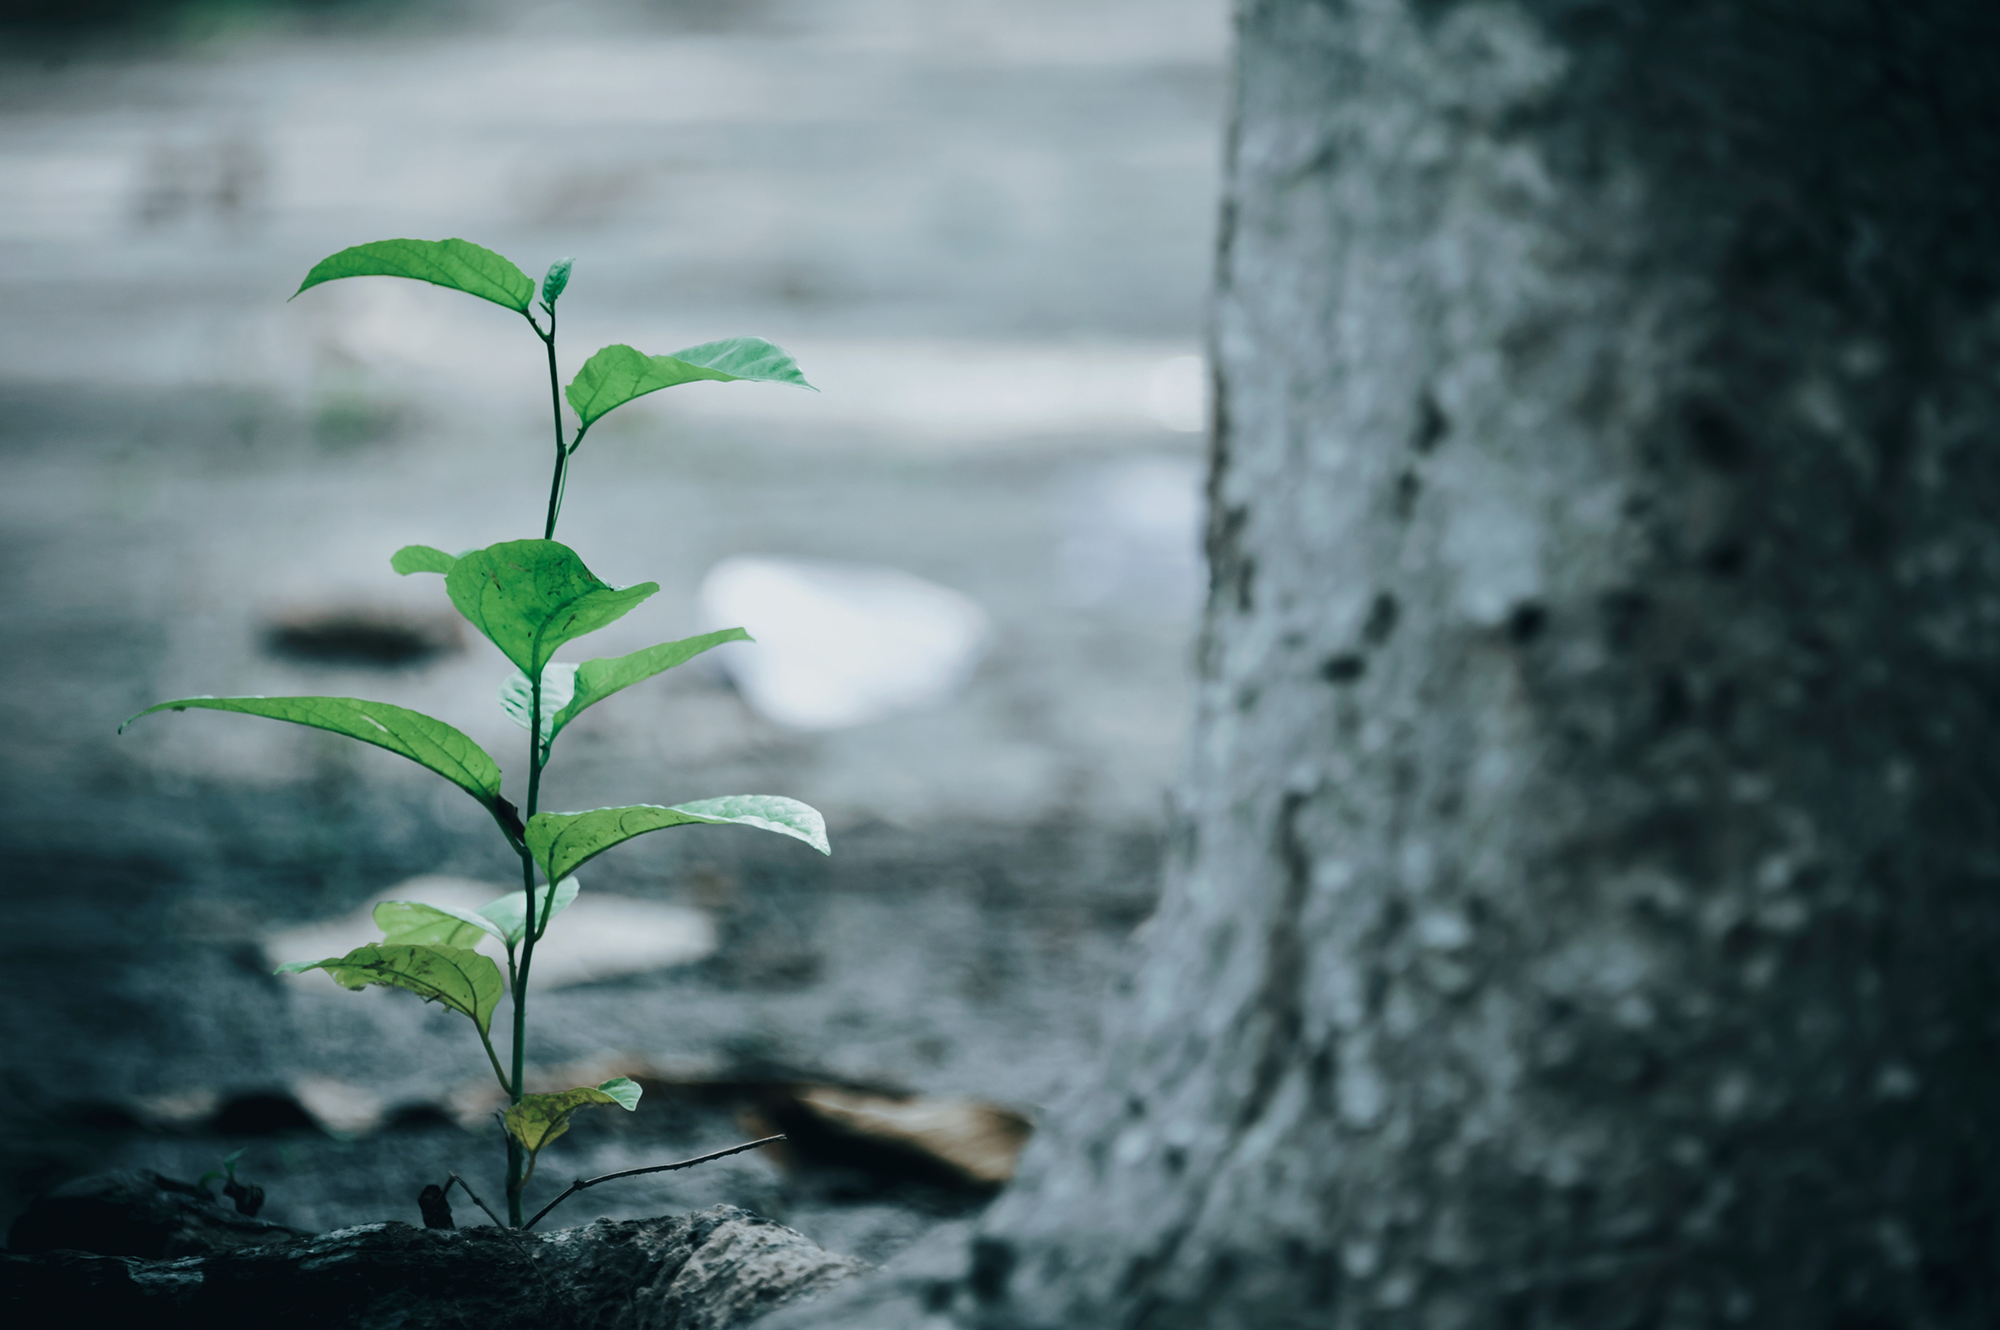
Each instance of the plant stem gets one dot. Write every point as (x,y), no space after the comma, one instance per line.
(494,1058)
(555,409)
(516,1179)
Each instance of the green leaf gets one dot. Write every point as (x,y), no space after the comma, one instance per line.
(556,279)
(507,913)
(617,374)
(416,924)
(458,264)
(421,559)
(568,690)
(595,680)
(457,977)
(564,842)
(541,1118)
(423,739)
(517,699)
(531,596)
(624,1092)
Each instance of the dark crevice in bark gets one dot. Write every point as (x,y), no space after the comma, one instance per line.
(1232,571)
(1280,1002)
(1408,487)
(1432,423)
(1346,667)
(1381,622)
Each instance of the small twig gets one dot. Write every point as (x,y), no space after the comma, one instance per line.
(584,1184)
(453,1177)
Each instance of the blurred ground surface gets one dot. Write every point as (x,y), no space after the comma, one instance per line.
(983,229)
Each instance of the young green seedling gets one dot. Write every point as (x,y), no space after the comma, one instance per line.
(529,598)
(249,1198)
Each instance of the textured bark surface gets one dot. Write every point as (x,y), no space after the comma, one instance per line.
(718,1269)
(138,1213)
(1587,879)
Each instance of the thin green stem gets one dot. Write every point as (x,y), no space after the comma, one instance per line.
(517,976)
(513,1186)
(558,487)
(516,1179)
(539,926)
(555,409)
(494,1058)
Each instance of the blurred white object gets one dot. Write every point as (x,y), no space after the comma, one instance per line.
(1177,394)
(340,1107)
(840,644)
(597,937)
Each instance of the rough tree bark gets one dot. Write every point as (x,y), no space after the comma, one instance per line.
(1586,889)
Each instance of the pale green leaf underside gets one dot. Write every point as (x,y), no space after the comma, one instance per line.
(425,740)
(558,686)
(421,559)
(624,1092)
(458,264)
(531,596)
(416,924)
(596,680)
(456,977)
(556,280)
(564,842)
(508,911)
(619,373)
(541,1118)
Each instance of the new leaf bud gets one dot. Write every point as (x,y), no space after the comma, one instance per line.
(558,278)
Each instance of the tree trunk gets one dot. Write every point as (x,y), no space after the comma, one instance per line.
(1586,885)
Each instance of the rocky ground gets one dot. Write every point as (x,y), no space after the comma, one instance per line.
(982,229)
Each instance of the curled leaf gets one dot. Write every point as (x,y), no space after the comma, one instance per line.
(556,279)
(456,977)
(508,913)
(558,687)
(530,596)
(417,924)
(541,1118)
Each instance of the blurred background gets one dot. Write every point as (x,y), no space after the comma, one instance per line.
(983,229)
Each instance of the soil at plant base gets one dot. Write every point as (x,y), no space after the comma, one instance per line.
(200,486)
